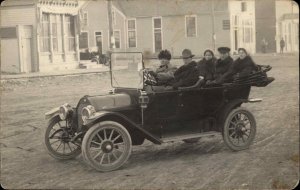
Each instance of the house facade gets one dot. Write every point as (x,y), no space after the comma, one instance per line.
(287,25)
(197,25)
(281,21)
(242,14)
(46,35)
(94,27)
(39,35)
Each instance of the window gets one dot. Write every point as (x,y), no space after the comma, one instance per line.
(85,19)
(226,24)
(45,33)
(83,40)
(131,26)
(290,33)
(191,26)
(99,41)
(157,34)
(113,15)
(243,6)
(70,32)
(236,21)
(56,32)
(117,39)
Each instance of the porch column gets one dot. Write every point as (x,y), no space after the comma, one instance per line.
(77,47)
(51,36)
(64,47)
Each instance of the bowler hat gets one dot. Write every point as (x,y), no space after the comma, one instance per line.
(224,49)
(186,53)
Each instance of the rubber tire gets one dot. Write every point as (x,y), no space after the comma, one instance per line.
(90,135)
(252,132)
(95,60)
(52,152)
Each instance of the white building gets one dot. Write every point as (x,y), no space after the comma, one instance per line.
(39,35)
(287,25)
(242,14)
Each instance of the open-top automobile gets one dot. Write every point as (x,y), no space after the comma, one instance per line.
(103,128)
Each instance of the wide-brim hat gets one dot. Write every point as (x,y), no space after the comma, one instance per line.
(186,53)
(223,49)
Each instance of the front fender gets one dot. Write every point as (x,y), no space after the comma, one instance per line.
(52,113)
(131,126)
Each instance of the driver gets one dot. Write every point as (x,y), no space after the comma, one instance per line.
(165,73)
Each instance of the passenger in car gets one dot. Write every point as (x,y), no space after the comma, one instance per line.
(206,66)
(222,65)
(165,73)
(242,66)
(186,75)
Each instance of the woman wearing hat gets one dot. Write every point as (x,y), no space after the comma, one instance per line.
(186,75)
(222,66)
(165,72)
(242,66)
(164,75)
(206,66)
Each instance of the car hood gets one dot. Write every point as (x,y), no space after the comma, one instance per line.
(109,101)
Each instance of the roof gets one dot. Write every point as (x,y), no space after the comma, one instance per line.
(150,8)
(8,3)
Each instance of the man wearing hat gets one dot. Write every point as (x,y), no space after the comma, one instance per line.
(222,65)
(186,75)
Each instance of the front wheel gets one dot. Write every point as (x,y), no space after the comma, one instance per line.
(106,146)
(58,137)
(239,129)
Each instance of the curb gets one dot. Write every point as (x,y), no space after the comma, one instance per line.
(53,75)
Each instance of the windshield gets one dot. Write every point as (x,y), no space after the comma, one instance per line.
(126,70)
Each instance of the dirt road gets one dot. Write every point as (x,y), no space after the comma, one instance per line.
(271,162)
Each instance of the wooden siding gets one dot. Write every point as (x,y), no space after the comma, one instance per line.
(22,16)
(10,59)
(18,16)
(174,38)
(98,22)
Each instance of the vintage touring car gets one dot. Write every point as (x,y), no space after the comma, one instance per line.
(105,127)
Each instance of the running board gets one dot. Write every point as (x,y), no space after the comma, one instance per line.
(189,136)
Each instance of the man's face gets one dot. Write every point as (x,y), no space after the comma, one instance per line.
(223,55)
(187,60)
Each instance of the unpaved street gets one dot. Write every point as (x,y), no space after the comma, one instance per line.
(271,162)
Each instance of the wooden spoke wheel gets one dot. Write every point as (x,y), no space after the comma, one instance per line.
(58,140)
(239,129)
(106,146)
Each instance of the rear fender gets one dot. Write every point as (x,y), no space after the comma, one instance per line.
(137,133)
(225,110)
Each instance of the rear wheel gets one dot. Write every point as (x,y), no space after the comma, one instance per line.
(106,146)
(58,137)
(239,129)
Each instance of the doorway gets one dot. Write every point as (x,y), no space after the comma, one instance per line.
(27,64)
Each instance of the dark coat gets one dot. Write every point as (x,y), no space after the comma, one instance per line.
(282,43)
(243,67)
(222,66)
(207,68)
(186,75)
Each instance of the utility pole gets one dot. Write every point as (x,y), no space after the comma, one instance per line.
(110,26)
(213,25)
